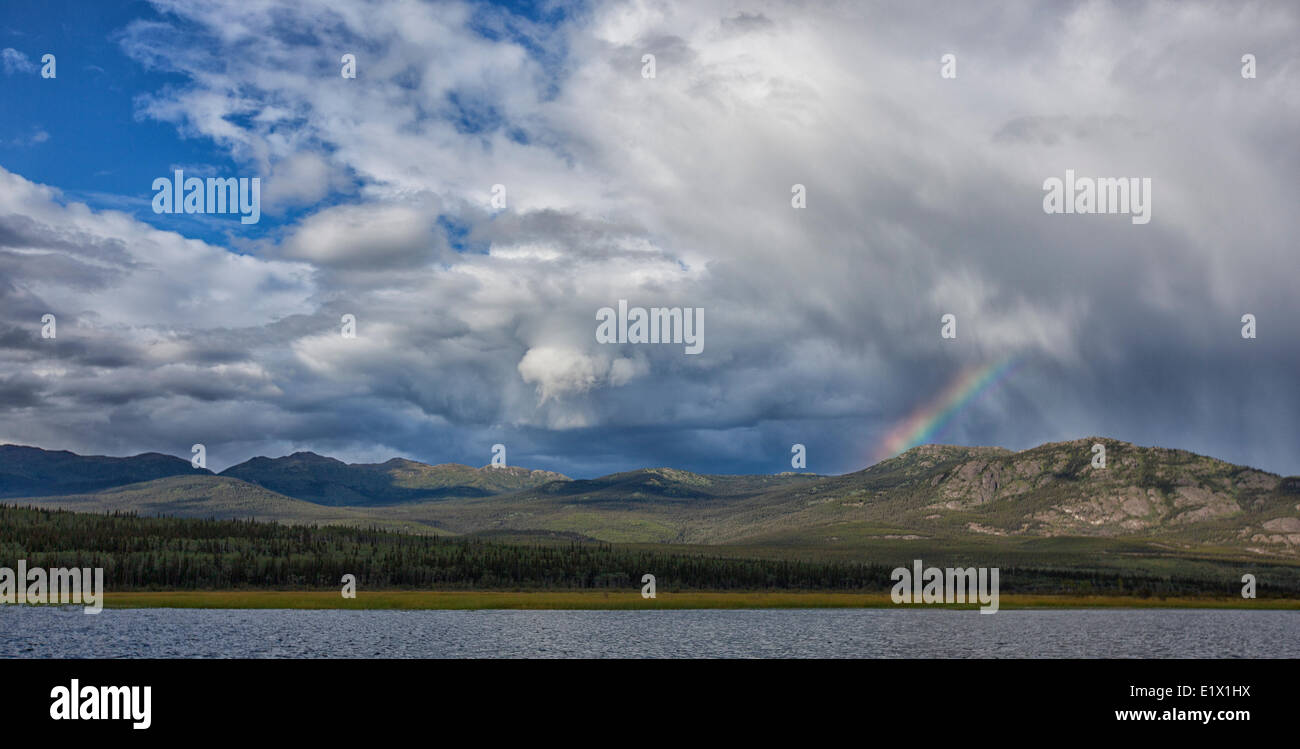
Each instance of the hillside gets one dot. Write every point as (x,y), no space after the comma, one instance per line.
(653,505)
(328,481)
(1053,491)
(932,493)
(214,497)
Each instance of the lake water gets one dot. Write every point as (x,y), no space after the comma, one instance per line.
(47,632)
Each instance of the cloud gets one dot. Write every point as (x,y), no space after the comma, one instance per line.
(37,137)
(476,323)
(558,371)
(368,235)
(303,178)
(16,62)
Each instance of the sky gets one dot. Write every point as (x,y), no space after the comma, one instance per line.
(476,320)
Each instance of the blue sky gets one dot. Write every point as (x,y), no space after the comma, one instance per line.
(476,320)
(96,147)
(83,132)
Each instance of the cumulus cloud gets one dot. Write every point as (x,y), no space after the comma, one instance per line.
(368,235)
(302,178)
(560,371)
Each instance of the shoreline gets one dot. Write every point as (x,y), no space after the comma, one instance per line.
(470,600)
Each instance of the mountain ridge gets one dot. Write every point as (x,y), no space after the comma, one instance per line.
(25,469)
(931,493)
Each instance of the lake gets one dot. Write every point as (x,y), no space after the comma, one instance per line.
(50,632)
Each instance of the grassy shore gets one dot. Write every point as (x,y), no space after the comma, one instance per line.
(470,600)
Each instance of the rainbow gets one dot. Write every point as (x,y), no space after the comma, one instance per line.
(930,418)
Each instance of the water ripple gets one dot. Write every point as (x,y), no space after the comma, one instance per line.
(47,632)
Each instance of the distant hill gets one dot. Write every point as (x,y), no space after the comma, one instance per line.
(215,497)
(657,505)
(31,471)
(934,498)
(328,481)
(667,485)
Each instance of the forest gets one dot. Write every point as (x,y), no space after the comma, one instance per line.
(148,553)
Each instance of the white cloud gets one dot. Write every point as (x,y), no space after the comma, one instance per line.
(368,235)
(562,371)
(16,62)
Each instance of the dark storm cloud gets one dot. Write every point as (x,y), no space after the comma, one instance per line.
(19,392)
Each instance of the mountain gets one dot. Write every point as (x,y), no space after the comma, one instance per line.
(938,494)
(327,481)
(31,471)
(931,500)
(937,491)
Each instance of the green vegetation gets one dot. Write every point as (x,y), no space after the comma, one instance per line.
(140,554)
(150,553)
